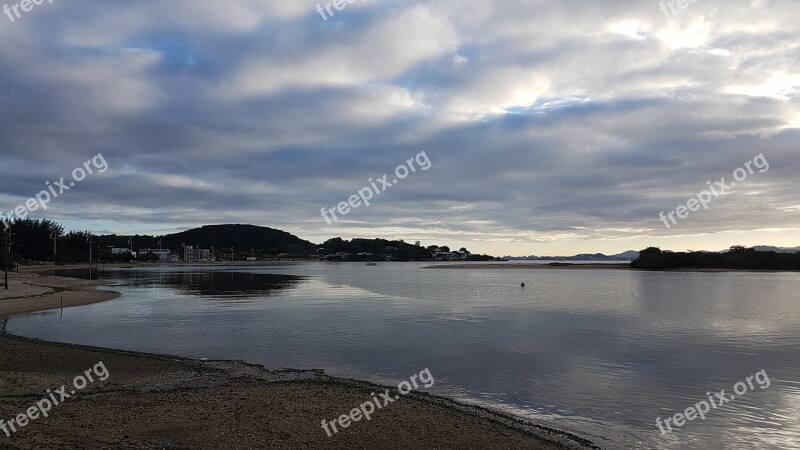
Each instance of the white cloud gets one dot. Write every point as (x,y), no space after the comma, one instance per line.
(384,50)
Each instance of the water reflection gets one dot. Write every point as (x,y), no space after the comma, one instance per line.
(205,283)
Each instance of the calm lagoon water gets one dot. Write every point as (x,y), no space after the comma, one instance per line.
(598,352)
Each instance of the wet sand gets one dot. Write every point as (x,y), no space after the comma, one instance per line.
(29,292)
(152,401)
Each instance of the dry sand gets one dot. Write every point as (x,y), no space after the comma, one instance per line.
(152,401)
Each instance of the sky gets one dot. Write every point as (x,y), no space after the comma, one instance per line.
(550,127)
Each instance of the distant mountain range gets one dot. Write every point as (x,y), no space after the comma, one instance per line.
(769,248)
(630,255)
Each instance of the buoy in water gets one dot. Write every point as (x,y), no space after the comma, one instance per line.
(523,285)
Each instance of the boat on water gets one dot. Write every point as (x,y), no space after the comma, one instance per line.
(372,263)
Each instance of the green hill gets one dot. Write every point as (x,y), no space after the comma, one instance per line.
(32,241)
(241,237)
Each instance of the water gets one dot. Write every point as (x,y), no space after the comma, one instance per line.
(598,352)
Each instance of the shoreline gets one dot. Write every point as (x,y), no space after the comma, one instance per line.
(549,266)
(459,266)
(588,266)
(29,293)
(185,403)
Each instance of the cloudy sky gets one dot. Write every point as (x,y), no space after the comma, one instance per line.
(552,127)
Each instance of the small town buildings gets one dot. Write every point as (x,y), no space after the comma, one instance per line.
(163,254)
(191,254)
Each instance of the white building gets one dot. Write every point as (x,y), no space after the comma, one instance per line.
(163,254)
(192,254)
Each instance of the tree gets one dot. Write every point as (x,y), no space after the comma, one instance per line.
(148,257)
(737,258)
(649,258)
(33,238)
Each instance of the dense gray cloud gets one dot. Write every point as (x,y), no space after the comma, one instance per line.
(553,127)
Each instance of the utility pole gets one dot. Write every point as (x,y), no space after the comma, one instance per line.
(90,255)
(8,233)
(19,257)
(231,254)
(54,237)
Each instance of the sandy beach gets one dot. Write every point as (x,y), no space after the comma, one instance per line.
(30,292)
(153,401)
